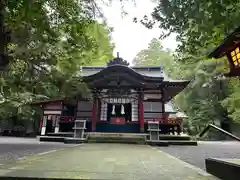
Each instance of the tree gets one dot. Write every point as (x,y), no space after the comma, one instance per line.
(155,55)
(50,40)
(201,25)
(4,38)
(201,100)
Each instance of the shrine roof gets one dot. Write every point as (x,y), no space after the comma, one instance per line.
(152,68)
(118,74)
(227,45)
(150,71)
(122,70)
(144,70)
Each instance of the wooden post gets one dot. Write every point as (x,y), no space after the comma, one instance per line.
(44,125)
(41,120)
(57,119)
(166,130)
(163,103)
(94,114)
(141,112)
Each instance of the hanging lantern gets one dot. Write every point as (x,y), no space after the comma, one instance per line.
(231,49)
(122,109)
(113,110)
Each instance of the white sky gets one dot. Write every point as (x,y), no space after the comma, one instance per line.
(130,37)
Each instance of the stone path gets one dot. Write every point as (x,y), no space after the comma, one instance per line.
(106,161)
(12,149)
(196,155)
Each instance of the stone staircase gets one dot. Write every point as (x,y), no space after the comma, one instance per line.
(56,137)
(129,138)
(155,137)
(64,137)
(166,140)
(178,140)
(77,136)
(61,134)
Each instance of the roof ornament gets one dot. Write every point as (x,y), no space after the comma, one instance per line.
(117,61)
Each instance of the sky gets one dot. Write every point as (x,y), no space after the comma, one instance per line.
(129,37)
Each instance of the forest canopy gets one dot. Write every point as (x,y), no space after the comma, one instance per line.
(48,42)
(200,26)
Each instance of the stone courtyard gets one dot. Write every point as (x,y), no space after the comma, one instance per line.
(105,161)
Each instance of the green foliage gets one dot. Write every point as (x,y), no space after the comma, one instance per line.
(50,41)
(155,55)
(200,26)
(201,100)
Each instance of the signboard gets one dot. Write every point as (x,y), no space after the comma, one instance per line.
(117,120)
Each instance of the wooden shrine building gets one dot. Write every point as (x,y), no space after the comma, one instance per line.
(123,100)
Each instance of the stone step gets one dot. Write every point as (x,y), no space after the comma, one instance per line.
(74,140)
(171,142)
(174,137)
(117,138)
(62,134)
(182,143)
(51,138)
(130,138)
(157,143)
(120,141)
(103,134)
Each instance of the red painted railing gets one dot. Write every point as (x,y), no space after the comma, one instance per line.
(161,120)
(168,120)
(67,118)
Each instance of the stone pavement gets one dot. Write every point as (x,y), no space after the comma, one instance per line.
(12,148)
(106,161)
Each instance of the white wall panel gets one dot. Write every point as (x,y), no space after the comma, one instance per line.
(134,111)
(152,106)
(147,116)
(53,106)
(52,112)
(103,115)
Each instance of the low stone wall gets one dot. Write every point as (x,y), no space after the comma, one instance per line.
(223,169)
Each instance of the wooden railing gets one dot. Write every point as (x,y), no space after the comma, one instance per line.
(220,130)
(67,118)
(173,125)
(170,121)
(161,120)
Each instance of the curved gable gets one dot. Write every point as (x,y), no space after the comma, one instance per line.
(121,71)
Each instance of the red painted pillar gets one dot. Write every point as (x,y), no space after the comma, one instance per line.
(94,114)
(141,112)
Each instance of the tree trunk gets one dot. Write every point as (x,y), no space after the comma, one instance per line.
(4,38)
